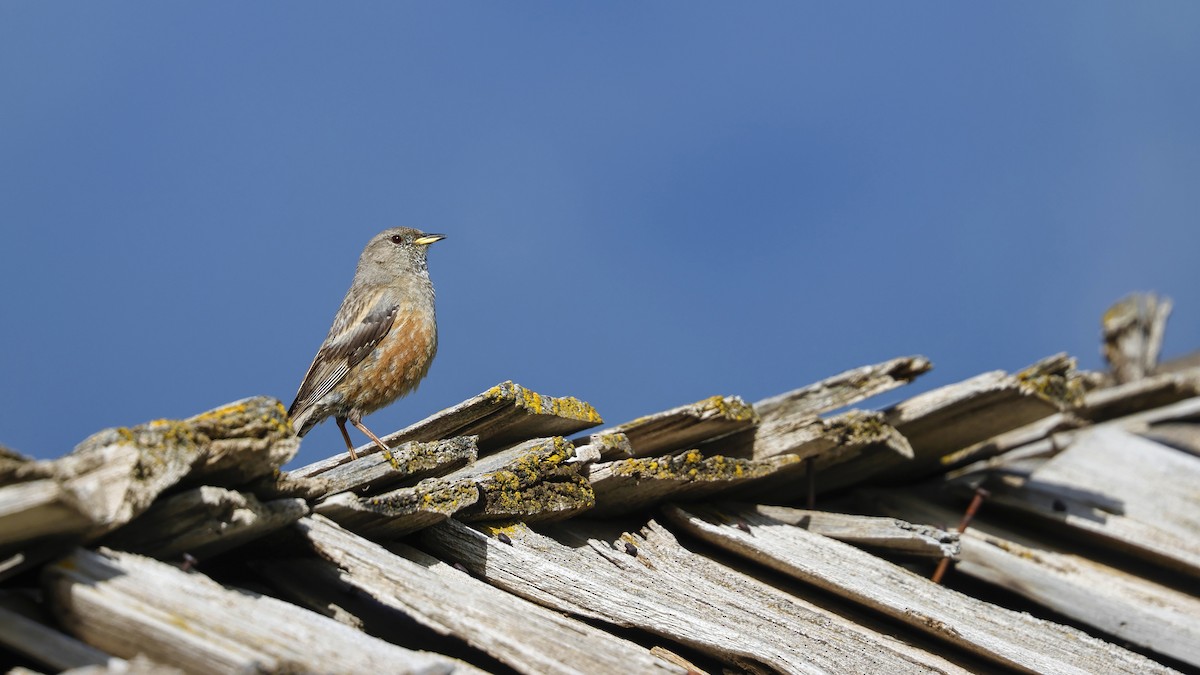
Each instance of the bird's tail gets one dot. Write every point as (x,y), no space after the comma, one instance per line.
(301,417)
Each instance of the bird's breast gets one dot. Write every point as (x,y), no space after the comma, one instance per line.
(397,364)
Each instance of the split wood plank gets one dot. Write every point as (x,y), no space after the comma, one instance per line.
(649,581)
(841,390)
(604,446)
(890,534)
(1131,492)
(535,480)
(1136,610)
(1145,393)
(791,423)
(828,440)
(1133,333)
(629,485)
(1009,638)
(203,522)
(127,604)
(501,416)
(45,645)
(683,427)
(945,420)
(1048,436)
(115,474)
(410,462)
(526,637)
(400,511)
(1181,436)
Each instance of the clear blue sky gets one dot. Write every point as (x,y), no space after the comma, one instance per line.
(646,203)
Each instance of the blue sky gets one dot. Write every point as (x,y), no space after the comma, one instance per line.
(646,203)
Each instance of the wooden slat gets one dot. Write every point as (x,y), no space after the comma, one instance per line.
(1178,435)
(1133,333)
(1049,435)
(649,581)
(945,420)
(204,522)
(411,461)
(841,390)
(501,416)
(535,480)
(115,474)
(47,646)
(792,424)
(604,446)
(683,427)
(400,511)
(1009,638)
(889,534)
(1131,492)
(629,485)
(524,636)
(125,604)
(1144,393)
(1133,609)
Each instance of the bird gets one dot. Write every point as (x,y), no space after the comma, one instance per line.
(382,342)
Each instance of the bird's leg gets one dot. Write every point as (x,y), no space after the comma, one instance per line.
(341,422)
(387,452)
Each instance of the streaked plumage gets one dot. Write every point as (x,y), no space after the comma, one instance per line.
(383,338)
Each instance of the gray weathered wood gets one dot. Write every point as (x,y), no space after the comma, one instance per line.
(526,637)
(115,474)
(841,390)
(124,604)
(683,427)
(1138,611)
(945,420)
(400,511)
(606,446)
(1133,333)
(649,581)
(890,534)
(1007,637)
(45,645)
(629,485)
(1133,493)
(138,665)
(1047,437)
(829,440)
(1141,394)
(1178,435)
(411,461)
(791,422)
(534,480)
(203,522)
(501,416)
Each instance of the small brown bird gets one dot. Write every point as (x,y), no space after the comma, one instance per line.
(382,340)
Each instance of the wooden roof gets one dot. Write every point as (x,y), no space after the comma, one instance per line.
(514,532)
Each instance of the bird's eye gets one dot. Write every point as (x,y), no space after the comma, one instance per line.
(397,239)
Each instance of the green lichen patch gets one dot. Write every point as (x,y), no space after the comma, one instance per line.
(691,466)
(426,497)
(731,408)
(566,407)
(1054,380)
(538,484)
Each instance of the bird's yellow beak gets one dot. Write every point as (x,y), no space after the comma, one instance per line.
(427,239)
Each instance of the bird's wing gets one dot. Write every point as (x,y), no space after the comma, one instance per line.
(357,329)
